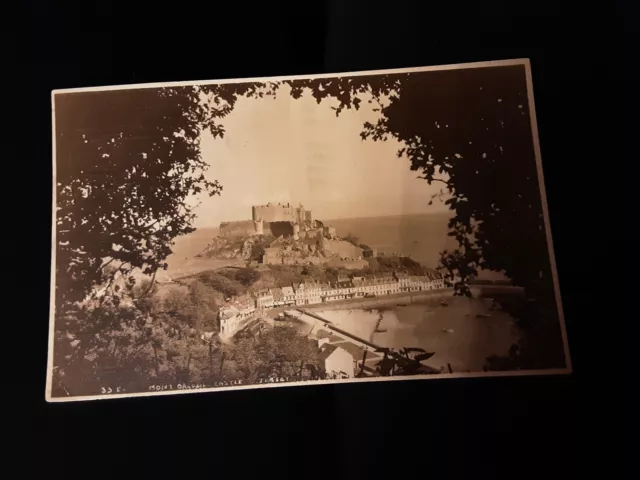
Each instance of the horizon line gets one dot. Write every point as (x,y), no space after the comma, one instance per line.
(344,218)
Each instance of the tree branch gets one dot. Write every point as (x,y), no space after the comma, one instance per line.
(446,182)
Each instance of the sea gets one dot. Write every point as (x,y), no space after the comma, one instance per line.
(421,237)
(458,337)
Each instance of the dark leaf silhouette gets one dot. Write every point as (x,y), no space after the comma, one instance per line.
(126,161)
(470,130)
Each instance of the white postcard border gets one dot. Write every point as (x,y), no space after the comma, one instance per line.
(442,376)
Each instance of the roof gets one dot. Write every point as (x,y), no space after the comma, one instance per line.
(229,312)
(287,290)
(321,333)
(326,351)
(242,302)
(374,280)
(433,274)
(353,349)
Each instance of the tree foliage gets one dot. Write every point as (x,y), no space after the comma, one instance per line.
(469,131)
(195,306)
(126,163)
(115,344)
(247,276)
(222,284)
(278,351)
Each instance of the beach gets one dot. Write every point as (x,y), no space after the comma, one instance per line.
(454,333)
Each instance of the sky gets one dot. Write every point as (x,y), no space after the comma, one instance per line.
(278,149)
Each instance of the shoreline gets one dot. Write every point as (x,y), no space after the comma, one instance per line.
(454,333)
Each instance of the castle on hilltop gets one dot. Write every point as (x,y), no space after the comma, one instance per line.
(299,239)
(274,219)
(281,213)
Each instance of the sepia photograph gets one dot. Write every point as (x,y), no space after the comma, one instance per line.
(299,231)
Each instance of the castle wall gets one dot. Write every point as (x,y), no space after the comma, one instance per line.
(314,233)
(241,228)
(329,232)
(277,220)
(278,229)
(280,213)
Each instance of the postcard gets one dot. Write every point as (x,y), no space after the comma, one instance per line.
(300,231)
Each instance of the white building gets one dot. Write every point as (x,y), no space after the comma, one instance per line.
(313,292)
(229,321)
(359,284)
(301,293)
(404,282)
(336,361)
(235,315)
(264,299)
(278,297)
(288,296)
(307,293)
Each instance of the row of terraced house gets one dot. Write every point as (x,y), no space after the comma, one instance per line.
(234,315)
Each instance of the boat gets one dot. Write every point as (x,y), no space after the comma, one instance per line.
(483,315)
(381,330)
(443,303)
(447,330)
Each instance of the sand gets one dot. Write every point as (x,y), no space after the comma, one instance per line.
(453,332)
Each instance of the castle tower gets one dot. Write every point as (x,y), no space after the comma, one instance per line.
(296,231)
(258,227)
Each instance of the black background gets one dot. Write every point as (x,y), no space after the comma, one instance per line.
(514,427)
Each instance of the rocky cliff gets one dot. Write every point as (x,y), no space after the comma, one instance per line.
(311,246)
(239,248)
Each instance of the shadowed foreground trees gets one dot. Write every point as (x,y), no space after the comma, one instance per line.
(280,351)
(128,342)
(126,163)
(470,131)
(128,160)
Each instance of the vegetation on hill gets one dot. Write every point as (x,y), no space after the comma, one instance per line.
(227,286)
(466,151)
(404,264)
(128,160)
(257,249)
(280,352)
(139,337)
